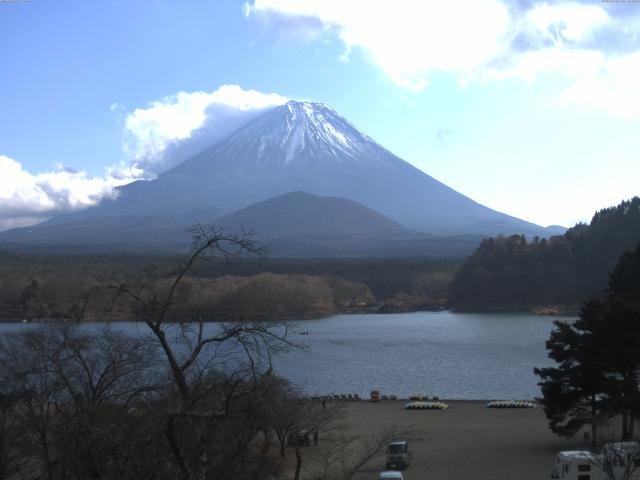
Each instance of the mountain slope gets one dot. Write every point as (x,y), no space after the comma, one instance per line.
(299,224)
(309,147)
(296,147)
(301,214)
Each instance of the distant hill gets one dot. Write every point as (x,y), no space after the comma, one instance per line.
(299,224)
(564,270)
(292,225)
(302,214)
(133,232)
(299,146)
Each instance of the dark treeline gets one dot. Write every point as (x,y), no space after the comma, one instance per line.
(385,277)
(55,285)
(563,270)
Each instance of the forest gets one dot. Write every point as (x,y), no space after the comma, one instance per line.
(503,273)
(562,271)
(35,286)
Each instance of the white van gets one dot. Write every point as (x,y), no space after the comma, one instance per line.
(621,458)
(577,465)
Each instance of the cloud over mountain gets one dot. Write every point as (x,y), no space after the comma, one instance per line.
(176,127)
(27,198)
(156,137)
(593,46)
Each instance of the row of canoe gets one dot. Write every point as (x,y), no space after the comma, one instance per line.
(426,406)
(494,404)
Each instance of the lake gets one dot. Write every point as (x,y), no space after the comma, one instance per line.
(451,355)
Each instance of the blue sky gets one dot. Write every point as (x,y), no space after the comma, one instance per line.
(530,108)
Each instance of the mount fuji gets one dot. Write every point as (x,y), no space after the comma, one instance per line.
(298,147)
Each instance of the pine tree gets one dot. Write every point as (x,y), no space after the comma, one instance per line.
(574,391)
(598,357)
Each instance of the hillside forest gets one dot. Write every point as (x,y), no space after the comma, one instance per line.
(514,272)
(49,286)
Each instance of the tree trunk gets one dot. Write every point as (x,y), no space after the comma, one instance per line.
(625,425)
(202,456)
(176,371)
(298,463)
(174,445)
(594,426)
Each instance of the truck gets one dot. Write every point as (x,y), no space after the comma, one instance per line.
(399,455)
(576,465)
(617,461)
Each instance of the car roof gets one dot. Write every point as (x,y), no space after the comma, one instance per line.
(390,474)
(398,442)
(575,454)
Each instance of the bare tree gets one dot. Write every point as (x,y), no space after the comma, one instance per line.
(347,456)
(294,419)
(188,400)
(67,389)
(10,434)
(617,460)
(195,350)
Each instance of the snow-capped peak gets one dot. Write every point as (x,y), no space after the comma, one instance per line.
(305,131)
(297,134)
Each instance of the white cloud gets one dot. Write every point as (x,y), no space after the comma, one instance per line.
(406,38)
(593,46)
(177,126)
(157,137)
(26,198)
(572,22)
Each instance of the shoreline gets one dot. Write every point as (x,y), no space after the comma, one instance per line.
(380,310)
(465,401)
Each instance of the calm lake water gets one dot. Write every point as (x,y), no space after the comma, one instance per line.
(452,355)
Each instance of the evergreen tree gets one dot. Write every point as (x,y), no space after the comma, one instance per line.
(574,391)
(598,359)
(620,338)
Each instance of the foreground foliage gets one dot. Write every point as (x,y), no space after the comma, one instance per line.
(598,360)
(181,400)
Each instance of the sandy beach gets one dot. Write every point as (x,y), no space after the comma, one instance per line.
(467,441)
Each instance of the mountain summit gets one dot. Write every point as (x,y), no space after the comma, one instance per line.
(293,134)
(296,147)
(309,147)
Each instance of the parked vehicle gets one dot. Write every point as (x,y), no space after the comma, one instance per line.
(398,455)
(620,458)
(576,465)
(390,475)
(375,395)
